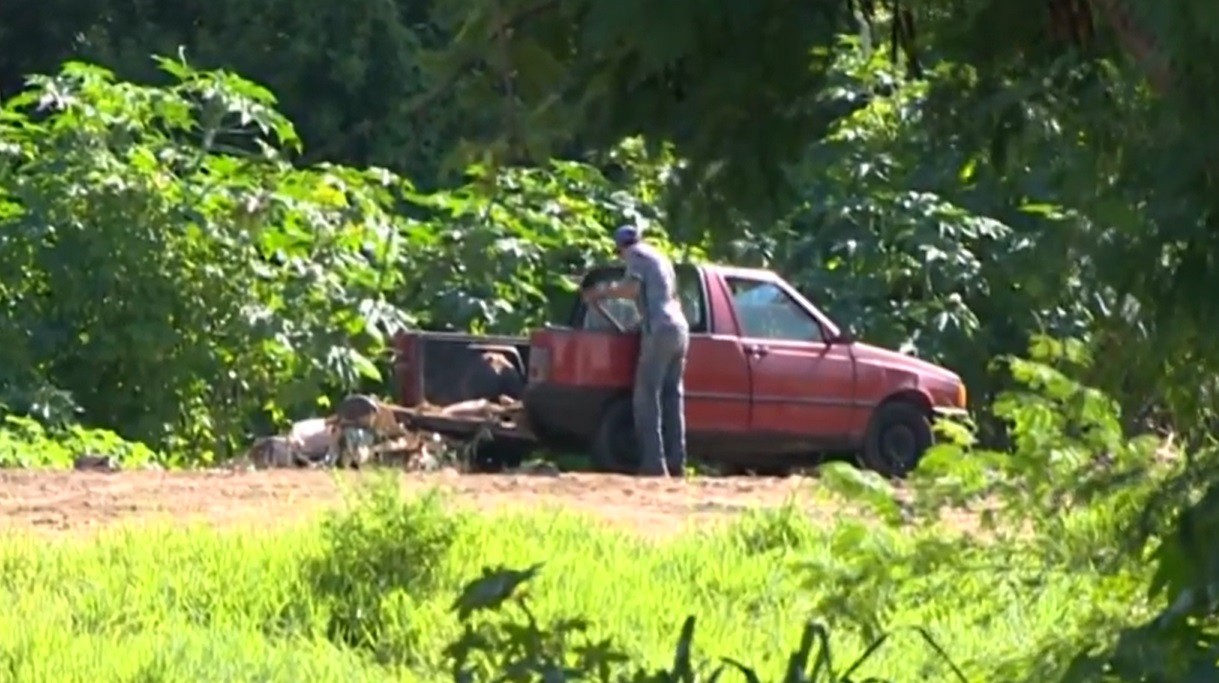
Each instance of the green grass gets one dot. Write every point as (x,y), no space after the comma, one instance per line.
(365,595)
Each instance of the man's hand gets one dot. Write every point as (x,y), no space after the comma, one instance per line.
(627,289)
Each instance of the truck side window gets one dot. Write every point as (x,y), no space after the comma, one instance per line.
(624,311)
(689,290)
(766,311)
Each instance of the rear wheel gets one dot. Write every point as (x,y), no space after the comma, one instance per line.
(898,436)
(615,448)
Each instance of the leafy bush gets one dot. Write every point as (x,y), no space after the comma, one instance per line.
(1074,493)
(24,442)
(163,262)
(516,647)
(167,272)
(761,532)
(1073,478)
(379,558)
(498,254)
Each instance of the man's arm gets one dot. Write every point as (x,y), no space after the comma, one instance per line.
(626,288)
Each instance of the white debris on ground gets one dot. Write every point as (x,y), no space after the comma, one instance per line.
(318,442)
(364,431)
(313,436)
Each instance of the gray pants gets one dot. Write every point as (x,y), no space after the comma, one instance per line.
(659,402)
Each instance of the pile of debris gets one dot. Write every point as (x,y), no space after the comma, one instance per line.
(366,431)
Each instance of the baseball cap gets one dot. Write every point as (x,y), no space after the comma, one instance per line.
(627,235)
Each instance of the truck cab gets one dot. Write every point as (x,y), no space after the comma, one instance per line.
(770,380)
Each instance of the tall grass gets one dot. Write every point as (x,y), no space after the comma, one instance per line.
(366,594)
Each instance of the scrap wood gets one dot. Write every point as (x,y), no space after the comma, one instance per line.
(382,417)
(504,401)
(481,408)
(402,435)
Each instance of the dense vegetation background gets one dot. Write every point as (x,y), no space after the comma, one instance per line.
(186,258)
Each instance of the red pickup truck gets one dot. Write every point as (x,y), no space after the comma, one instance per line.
(771,382)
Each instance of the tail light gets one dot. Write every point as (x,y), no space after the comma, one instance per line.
(539,364)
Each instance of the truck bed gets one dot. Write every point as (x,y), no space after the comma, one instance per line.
(445,383)
(444,368)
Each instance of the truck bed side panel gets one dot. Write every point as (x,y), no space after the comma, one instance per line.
(592,359)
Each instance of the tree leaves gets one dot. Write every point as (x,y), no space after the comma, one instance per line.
(168,269)
(726,84)
(183,285)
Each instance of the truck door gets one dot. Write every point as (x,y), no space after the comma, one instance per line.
(717,369)
(717,379)
(801,383)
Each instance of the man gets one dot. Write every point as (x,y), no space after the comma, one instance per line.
(664,341)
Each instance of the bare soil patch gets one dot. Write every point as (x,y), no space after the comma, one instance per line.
(73,502)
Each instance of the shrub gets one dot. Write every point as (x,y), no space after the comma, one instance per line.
(380,556)
(512,645)
(24,442)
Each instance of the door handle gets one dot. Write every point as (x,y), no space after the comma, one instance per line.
(757,350)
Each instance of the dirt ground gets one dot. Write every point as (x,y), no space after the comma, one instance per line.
(74,502)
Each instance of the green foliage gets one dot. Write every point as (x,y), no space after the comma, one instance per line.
(499,254)
(541,75)
(379,559)
(1072,484)
(1089,498)
(913,244)
(249,287)
(1073,477)
(347,75)
(1177,643)
(166,266)
(521,649)
(380,591)
(25,443)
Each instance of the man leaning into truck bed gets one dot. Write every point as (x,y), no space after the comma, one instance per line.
(664,341)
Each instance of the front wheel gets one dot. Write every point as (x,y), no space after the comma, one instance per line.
(898,436)
(615,448)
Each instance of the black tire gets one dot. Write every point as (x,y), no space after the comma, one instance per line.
(615,448)
(898,435)
(497,455)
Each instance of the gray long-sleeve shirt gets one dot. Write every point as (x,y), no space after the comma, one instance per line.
(659,305)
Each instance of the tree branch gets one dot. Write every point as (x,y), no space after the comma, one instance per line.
(504,30)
